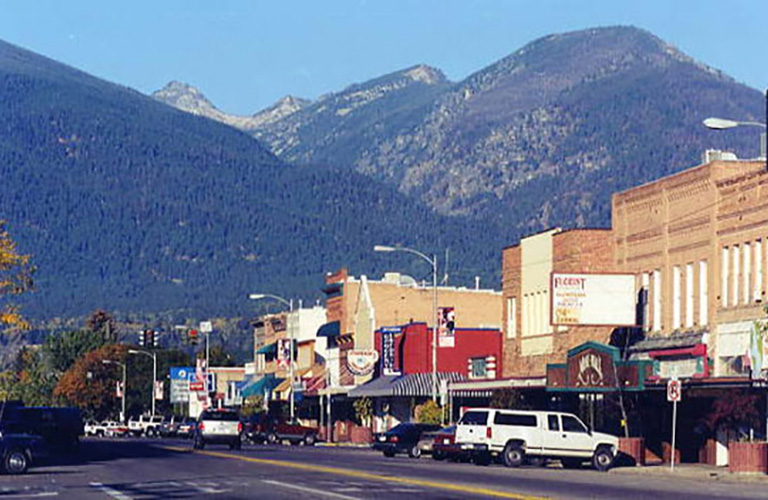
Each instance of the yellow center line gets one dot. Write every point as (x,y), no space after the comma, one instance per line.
(363,475)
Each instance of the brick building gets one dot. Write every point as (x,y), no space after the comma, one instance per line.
(530,340)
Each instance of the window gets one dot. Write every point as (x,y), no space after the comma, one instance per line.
(656,301)
(676,298)
(644,285)
(724,278)
(746,273)
(703,294)
(758,289)
(554,422)
(479,368)
(735,277)
(511,317)
(474,418)
(689,295)
(573,424)
(516,419)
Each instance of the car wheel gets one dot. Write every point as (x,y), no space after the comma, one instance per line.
(272,438)
(571,463)
(513,455)
(389,453)
(602,459)
(309,440)
(100,433)
(415,451)
(16,462)
(438,455)
(151,432)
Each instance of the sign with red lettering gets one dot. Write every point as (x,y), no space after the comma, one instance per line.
(674,391)
(593,299)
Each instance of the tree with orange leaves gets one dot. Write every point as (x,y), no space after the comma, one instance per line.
(15,278)
(90,384)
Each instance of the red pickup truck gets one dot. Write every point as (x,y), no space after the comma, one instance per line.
(263,428)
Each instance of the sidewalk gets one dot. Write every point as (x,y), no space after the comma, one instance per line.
(695,472)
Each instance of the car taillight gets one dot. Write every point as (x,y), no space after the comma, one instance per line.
(394,439)
(239,427)
(201,426)
(488,432)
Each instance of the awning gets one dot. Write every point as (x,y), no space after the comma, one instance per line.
(257,386)
(268,349)
(485,388)
(414,384)
(331,329)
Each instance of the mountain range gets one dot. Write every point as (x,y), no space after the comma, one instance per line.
(603,108)
(128,204)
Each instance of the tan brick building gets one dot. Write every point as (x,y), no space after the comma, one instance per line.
(530,341)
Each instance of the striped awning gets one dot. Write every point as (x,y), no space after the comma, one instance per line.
(411,385)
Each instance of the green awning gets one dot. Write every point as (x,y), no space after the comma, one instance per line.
(260,386)
(268,349)
(332,329)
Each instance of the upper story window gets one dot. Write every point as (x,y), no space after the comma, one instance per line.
(478,368)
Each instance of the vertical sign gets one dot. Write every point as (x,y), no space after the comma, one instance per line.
(446,326)
(674,394)
(119,390)
(158,389)
(283,353)
(388,366)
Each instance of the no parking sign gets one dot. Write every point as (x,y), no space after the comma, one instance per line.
(674,391)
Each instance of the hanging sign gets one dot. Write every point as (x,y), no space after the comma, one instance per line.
(362,361)
(388,366)
(283,353)
(446,326)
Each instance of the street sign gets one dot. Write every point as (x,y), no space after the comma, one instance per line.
(674,391)
(206,326)
(197,386)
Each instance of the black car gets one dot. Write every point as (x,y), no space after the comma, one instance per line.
(17,452)
(403,438)
(60,428)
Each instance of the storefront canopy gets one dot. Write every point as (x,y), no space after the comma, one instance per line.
(258,386)
(331,329)
(413,384)
(268,349)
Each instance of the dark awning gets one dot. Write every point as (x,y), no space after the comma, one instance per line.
(331,329)
(268,349)
(414,384)
(258,386)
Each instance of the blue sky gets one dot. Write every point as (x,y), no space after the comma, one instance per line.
(244,55)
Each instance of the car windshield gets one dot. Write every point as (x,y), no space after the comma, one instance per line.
(401,428)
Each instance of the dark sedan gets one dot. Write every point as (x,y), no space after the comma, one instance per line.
(403,438)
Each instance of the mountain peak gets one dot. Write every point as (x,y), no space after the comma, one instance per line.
(425,74)
(187,98)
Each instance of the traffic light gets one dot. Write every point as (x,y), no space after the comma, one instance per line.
(142,338)
(155,338)
(192,337)
(149,340)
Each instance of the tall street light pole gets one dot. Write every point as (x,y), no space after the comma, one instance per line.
(721,124)
(110,362)
(289,303)
(152,355)
(433,263)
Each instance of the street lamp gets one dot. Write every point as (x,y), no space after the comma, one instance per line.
(722,124)
(289,303)
(110,362)
(152,355)
(433,263)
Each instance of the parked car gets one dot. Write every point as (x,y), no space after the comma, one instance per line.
(403,438)
(145,425)
(263,428)
(92,428)
(114,429)
(60,427)
(18,451)
(219,427)
(169,427)
(187,428)
(444,446)
(514,436)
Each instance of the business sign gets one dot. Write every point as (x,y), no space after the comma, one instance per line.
(180,378)
(195,386)
(593,299)
(283,353)
(388,366)
(362,361)
(446,326)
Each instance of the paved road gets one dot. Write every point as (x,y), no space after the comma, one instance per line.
(147,469)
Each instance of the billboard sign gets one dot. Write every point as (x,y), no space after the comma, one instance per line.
(388,366)
(593,299)
(446,326)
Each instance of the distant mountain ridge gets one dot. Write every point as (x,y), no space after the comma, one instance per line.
(604,108)
(129,205)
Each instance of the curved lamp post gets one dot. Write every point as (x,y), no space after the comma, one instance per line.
(154,372)
(722,124)
(432,262)
(122,365)
(289,303)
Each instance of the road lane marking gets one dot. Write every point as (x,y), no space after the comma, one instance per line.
(309,490)
(111,491)
(362,475)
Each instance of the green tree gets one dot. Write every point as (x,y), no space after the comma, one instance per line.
(429,413)
(364,410)
(35,383)
(64,349)
(15,278)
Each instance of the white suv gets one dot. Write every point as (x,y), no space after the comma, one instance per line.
(514,435)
